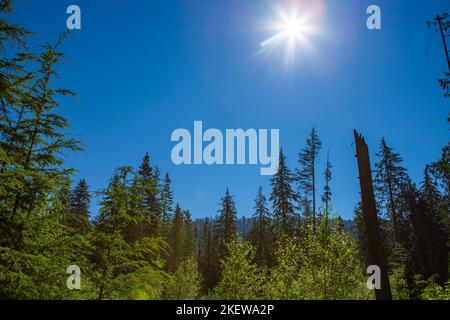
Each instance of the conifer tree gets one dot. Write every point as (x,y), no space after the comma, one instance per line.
(166,199)
(150,198)
(225,226)
(79,202)
(118,264)
(189,234)
(430,235)
(261,234)
(224,231)
(306,175)
(390,179)
(326,197)
(283,198)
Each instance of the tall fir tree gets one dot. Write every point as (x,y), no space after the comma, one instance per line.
(224,230)
(306,176)
(150,198)
(189,234)
(326,197)
(430,234)
(261,233)
(284,199)
(117,262)
(167,199)
(78,207)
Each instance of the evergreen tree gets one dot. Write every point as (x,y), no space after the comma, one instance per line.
(430,236)
(283,198)
(151,206)
(34,245)
(118,264)
(326,197)
(225,227)
(306,175)
(78,211)
(189,234)
(32,134)
(390,179)
(224,231)
(167,200)
(261,234)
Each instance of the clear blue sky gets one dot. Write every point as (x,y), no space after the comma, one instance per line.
(144,68)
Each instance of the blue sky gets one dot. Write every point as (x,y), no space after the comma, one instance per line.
(147,68)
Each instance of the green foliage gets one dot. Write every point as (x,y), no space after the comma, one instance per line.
(37,270)
(324,265)
(118,261)
(77,217)
(241,278)
(436,292)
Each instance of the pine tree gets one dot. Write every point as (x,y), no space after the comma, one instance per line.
(224,230)
(150,198)
(33,180)
(206,256)
(32,133)
(167,199)
(430,235)
(79,202)
(225,226)
(175,240)
(284,198)
(189,234)
(326,197)
(306,175)
(118,264)
(261,234)
(389,181)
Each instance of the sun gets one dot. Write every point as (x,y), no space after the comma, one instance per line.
(294,29)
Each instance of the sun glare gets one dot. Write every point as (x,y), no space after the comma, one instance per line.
(294,29)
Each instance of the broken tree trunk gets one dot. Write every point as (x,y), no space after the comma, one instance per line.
(375,245)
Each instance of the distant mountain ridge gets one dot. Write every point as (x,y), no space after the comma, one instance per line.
(244,225)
